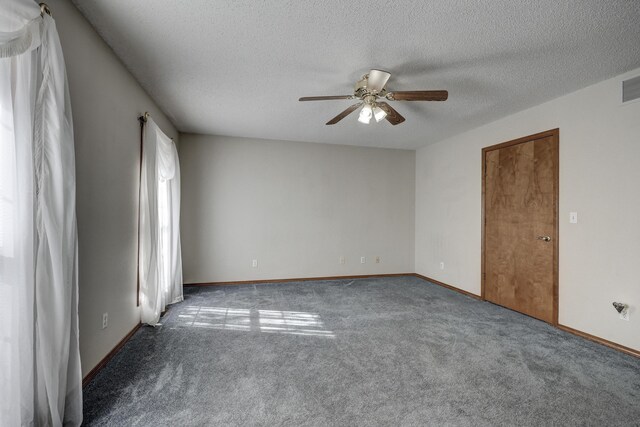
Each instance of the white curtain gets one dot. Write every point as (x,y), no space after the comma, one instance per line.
(40,377)
(160,260)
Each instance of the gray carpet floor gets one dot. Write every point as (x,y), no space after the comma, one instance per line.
(384,351)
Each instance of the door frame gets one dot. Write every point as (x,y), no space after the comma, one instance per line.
(555,137)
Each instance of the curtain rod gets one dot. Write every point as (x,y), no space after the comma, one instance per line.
(143,118)
(44,8)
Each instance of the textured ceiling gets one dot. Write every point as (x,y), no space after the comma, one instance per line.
(238,67)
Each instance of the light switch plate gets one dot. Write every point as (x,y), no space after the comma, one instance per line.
(573,217)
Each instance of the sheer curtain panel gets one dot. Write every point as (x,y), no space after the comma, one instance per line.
(160,263)
(40,377)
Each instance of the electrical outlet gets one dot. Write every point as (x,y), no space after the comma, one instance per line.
(441,265)
(377,260)
(105,320)
(624,314)
(342,261)
(362,260)
(254,263)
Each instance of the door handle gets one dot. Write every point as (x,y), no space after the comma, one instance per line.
(544,238)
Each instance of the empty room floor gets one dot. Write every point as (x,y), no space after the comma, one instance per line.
(380,351)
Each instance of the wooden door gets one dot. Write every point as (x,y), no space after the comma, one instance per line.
(520,227)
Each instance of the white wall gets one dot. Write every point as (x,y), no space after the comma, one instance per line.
(599,178)
(295,207)
(106,101)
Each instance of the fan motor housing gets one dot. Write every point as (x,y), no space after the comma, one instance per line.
(361,87)
(361,90)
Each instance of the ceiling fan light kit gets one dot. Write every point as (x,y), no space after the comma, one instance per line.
(365,114)
(379,113)
(369,90)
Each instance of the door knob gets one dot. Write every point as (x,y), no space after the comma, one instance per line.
(544,238)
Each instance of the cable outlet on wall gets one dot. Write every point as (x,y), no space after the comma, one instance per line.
(341,261)
(377,260)
(254,263)
(362,260)
(105,320)
(441,265)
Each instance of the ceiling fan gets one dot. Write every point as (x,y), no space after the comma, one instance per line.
(371,92)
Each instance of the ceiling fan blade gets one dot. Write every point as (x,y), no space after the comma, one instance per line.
(377,79)
(418,95)
(325,98)
(393,116)
(344,114)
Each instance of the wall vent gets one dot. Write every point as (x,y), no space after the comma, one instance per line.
(631,89)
